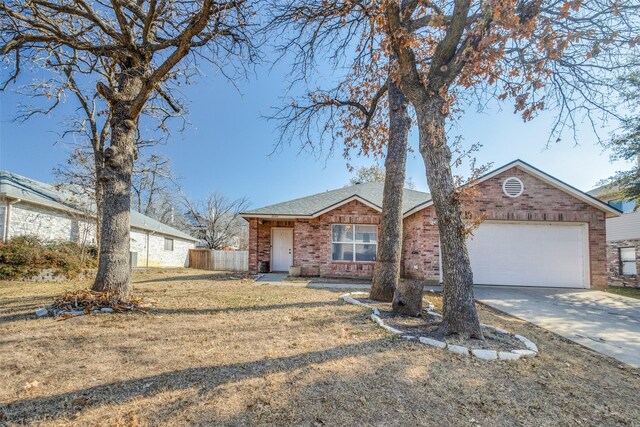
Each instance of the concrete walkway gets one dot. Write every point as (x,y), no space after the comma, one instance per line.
(603,322)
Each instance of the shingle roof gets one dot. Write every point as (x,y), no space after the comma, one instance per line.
(312,205)
(608,190)
(23,188)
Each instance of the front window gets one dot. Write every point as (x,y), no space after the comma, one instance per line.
(628,261)
(168,244)
(354,242)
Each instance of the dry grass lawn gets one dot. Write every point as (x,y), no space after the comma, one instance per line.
(220,351)
(625,292)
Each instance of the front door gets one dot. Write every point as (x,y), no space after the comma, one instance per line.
(281,249)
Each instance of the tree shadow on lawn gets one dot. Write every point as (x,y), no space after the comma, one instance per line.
(203,378)
(25,307)
(213,276)
(27,311)
(209,311)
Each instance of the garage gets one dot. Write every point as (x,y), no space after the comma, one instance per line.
(530,254)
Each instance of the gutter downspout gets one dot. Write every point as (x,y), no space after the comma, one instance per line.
(7,221)
(148,249)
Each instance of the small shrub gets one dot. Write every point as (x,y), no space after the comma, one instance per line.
(26,256)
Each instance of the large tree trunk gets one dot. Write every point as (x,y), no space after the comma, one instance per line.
(459,314)
(99,195)
(114,271)
(386,272)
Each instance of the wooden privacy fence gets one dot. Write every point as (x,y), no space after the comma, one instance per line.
(207,259)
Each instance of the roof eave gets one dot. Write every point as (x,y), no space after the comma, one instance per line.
(610,211)
(248,215)
(164,233)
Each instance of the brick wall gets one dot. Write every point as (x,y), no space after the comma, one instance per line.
(539,202)
(312,241)
(613,256)
(421,246)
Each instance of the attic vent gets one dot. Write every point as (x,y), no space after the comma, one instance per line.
(512,187)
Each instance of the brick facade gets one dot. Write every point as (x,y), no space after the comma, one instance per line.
(540,202)
(615,267)
(312,241)
(421,246)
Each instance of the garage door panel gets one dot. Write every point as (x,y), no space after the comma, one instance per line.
(528,254)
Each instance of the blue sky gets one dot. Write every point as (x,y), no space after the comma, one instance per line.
(226,146)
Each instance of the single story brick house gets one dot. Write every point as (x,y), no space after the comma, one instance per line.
(29,207)
(538,231)
(623,237)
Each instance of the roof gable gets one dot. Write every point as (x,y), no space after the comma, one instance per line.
(543,176)
(370,194)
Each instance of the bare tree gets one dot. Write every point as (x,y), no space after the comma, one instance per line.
(451,54)
(373,173)
(626,145)
(366,111)
(520,48)
(149,45)
(216,221)
(155,188)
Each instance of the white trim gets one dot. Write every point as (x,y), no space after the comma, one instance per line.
(344,202)
(512,178)
(611,212)
(584,228)
(354,242)
(285,217)
(365,202)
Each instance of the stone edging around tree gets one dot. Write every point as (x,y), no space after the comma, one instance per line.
(531,351)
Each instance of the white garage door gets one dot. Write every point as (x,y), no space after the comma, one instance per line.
(530,254)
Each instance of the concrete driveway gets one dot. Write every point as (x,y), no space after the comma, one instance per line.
(603,322)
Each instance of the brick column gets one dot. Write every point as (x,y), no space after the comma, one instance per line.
(253,246)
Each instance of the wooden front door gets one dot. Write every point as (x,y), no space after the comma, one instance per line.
(281,249)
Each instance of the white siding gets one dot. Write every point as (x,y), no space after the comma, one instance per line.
(158,256)
(624,227)
(138,242)
(48,224)
(3,212)
(51,224)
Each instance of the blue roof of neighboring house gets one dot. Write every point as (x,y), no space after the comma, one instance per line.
(29,190)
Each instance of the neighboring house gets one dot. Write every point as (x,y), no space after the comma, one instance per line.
(612,195)
(29,207)
(538,231)
(623,237)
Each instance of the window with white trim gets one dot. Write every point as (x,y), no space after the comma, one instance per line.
(628,261)
(354,243)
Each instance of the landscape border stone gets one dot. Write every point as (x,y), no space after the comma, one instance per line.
(483,354)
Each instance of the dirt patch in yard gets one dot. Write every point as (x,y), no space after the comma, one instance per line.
(218,350)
